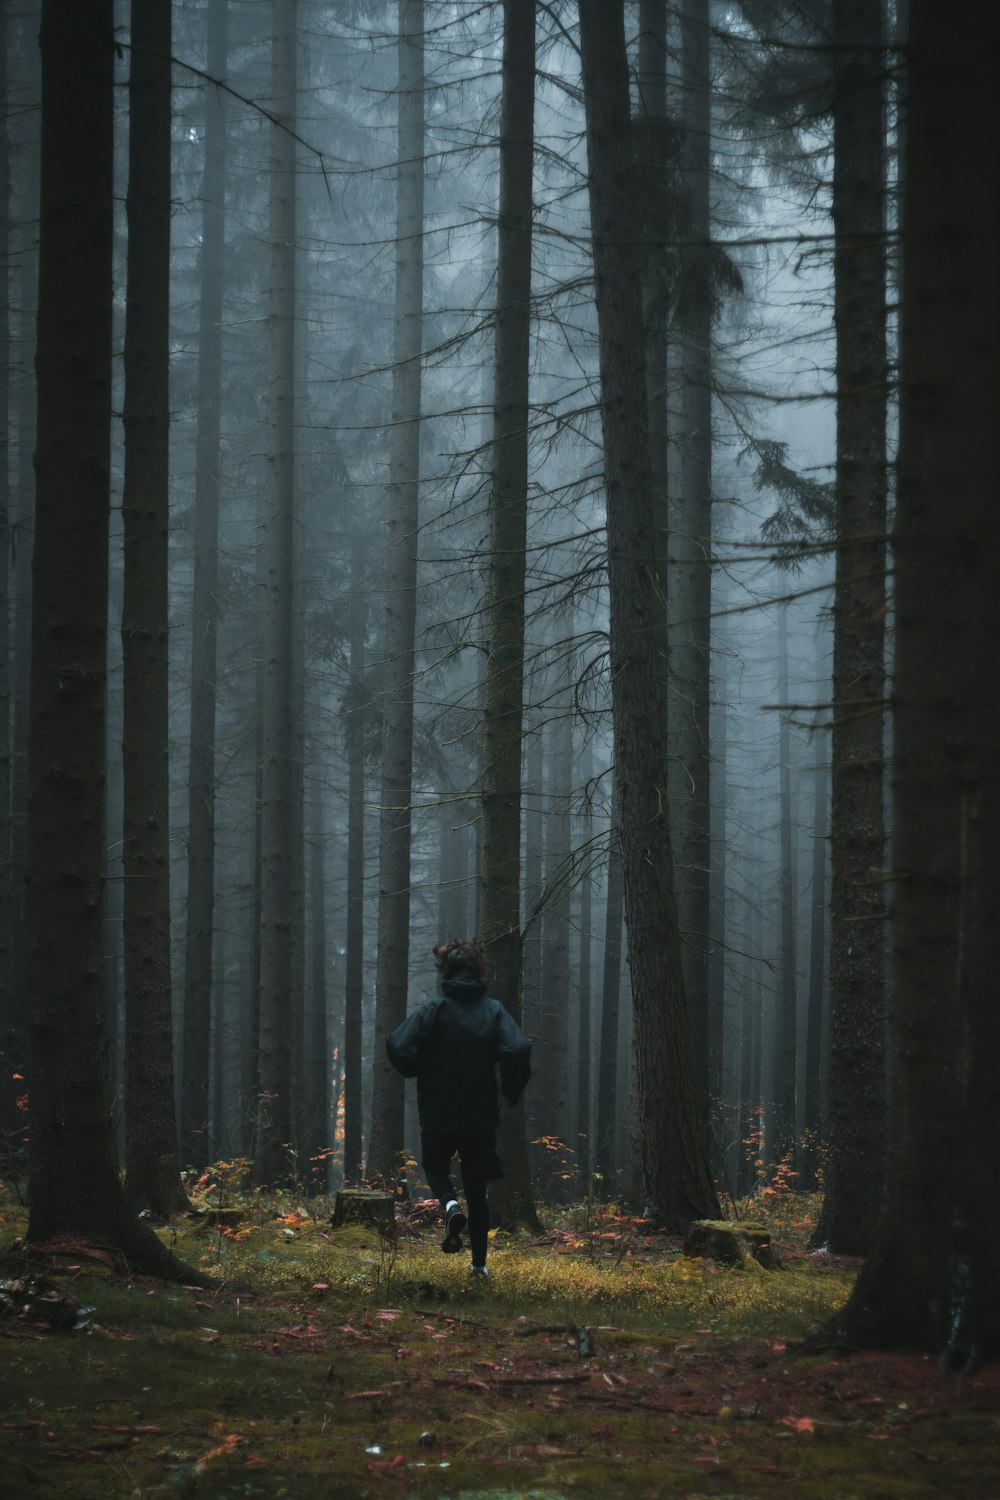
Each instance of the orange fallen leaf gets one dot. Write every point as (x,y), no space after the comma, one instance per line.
(799,1424)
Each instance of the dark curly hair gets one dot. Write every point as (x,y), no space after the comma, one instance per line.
(461,956)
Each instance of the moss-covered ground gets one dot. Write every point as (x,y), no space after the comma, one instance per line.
(597,1361)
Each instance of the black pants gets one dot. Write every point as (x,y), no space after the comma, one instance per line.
(480,1165)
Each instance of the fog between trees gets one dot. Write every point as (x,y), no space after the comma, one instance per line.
(495,542)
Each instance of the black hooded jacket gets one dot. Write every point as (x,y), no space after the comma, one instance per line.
(452,1046)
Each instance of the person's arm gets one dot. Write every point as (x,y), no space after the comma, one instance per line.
(406,1044)
(514,1050)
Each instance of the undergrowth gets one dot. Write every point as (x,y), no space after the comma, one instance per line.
(597,1360)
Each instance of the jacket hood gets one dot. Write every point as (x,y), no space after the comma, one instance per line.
(463,987)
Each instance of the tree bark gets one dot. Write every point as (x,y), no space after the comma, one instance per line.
(281,788)
(152,1178)
(781,1126)
(503,714)
(676,1180)
(816,1006)
(386,1149)
(315,1076)
(74,1185)
(11,1042)
(195,1144)
(606,1154)
(690,538)
(931,1278)
(855,1179)
(355,708)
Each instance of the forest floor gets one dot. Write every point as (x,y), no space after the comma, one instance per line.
(597,1361)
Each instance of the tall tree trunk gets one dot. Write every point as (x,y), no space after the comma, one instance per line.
(11,1043)
(204,619)
(152,1169)
(221,1024)
(676,1180)
(281,789)
(22,66)
(781,1132)
(584,999)
(690,585)
(73,1184)
(386,1149)
(355,709)
(816,1003)
(855,1181)
(608,1110)
(717,928)
(553,1044)
(500,882)
(315,1077)
(931,1278)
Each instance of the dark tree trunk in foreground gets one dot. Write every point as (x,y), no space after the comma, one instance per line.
(500,922)
(152,1170)
(386,1148)
(856,1171)
(931,1280)
(11,1033)
(74,1187)
(675,1175)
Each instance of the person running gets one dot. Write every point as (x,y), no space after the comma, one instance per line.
(453,1046)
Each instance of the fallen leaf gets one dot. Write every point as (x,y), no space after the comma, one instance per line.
(799,1424)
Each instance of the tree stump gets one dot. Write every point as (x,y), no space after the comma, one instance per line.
(361,1206)
(740,1244)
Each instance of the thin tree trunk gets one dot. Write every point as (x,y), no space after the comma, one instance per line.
(584,1000)
(609,1111)
(355,709)
(816,1005)
(281,787)
(690,590)
(204,619)
(781,1136)
(315,1076)
(500,883)
(386,1148)
(552,1049)
(717,928)
(856,1176)
(676,1181)
(219,1046)
(152,1168)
